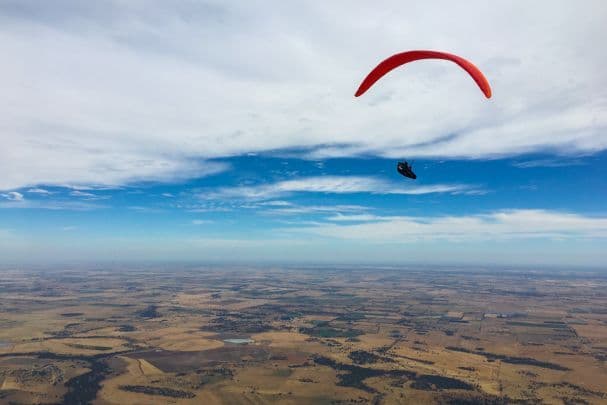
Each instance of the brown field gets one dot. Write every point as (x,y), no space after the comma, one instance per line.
(307,336)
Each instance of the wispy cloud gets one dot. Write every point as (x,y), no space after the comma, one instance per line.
(88,196)
(12,196)
(38,190)
(276,203)
(59,205)
(334,185)
(507,224)
(563,162)
(316,209)
(146,209)
(354,218)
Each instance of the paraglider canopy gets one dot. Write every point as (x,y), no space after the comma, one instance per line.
(399,59)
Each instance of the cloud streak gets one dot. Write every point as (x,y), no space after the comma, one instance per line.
(528,164)
(12,196)
(58,205)
(498,225)
(333,185)
(39,191)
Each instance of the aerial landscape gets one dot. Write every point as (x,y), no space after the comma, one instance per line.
(303,335)
(303,202)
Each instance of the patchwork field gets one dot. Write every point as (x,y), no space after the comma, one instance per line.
(311,336)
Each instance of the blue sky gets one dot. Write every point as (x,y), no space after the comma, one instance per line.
(224,132)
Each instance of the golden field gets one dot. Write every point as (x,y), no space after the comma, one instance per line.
(302,336)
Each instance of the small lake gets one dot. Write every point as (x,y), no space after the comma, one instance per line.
(239,341)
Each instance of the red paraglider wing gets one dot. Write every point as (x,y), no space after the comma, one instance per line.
(399,59)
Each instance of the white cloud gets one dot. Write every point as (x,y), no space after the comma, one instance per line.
(51,205)
(40,191)
(120,92)
(200,221)
(354,218)
(276,203)
(499,225)
(315,209)
(547,163)
(335,185)
(85,195)
(88,196)
(78,193)
(12,196)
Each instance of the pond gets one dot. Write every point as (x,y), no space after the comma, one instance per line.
(239,341)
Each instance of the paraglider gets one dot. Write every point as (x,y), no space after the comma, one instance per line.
(400,59)
(406,170)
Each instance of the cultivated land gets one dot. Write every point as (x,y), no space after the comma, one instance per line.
(317,336)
